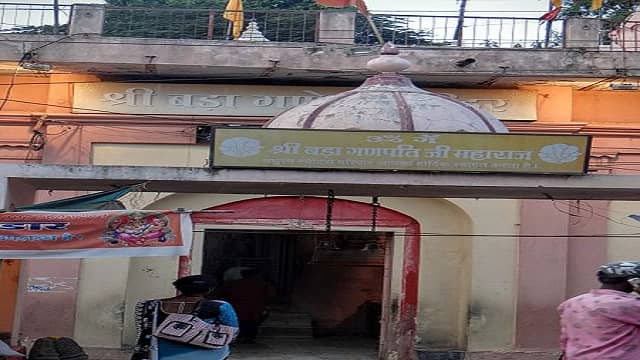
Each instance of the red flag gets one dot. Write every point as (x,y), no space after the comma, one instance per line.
(551,15)
(360,4)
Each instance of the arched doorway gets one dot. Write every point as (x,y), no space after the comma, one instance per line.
(294,213)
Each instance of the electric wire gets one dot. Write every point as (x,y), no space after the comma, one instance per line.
(7,93)
(410,234)
(593,167)
(176,118)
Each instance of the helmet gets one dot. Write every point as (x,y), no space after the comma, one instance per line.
(619,271)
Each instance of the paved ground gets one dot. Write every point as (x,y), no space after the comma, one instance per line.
(282,350)
(326,350)
(307,350)
(529,355)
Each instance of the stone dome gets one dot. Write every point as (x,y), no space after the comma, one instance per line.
(388,101)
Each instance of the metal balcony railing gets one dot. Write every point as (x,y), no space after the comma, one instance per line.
(172,23)
(301,26)
(476,32)
(291,26)
(20,18)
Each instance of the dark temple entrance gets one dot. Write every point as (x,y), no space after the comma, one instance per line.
(325,287)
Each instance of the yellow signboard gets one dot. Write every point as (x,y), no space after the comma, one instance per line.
(399,151)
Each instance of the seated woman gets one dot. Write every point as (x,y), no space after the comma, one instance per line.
(151,313)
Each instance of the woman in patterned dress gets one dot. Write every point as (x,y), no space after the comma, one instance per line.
(193,291)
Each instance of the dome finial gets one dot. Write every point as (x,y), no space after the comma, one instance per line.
(388,61)
(389,49)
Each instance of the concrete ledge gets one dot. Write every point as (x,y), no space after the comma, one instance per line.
(93,53)
(343,183)
(488,355)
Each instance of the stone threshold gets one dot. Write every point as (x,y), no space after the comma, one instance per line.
(488,355)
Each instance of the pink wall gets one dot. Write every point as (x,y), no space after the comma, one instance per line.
(541,274)
(47,301)
(586,253)
(552,269)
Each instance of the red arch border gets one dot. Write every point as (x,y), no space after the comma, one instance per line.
(287,210)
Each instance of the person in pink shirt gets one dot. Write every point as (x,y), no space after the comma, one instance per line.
(604,324)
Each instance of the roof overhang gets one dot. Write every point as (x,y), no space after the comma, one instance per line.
(218,61)
(307,182)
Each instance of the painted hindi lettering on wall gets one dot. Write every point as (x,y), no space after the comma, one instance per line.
(261,100)
(408,151)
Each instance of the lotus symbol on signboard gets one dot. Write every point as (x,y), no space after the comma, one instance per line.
(559,153)
(240,147)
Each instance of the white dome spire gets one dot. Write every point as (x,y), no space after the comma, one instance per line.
(389,61)
(388,101)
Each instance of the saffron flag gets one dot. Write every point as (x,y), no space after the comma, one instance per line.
(234,13)
(114,233)
(360,4)
(551,15)
(596,4)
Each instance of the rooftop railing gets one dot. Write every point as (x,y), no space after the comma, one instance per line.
(473,32)
(20,18)
(302,26)
(317,26)
(210,24)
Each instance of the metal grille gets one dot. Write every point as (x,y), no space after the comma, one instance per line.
(477,32)
(298,26)
(301,26)
(16,18)
(275,25)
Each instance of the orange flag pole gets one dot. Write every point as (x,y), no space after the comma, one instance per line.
(375,29)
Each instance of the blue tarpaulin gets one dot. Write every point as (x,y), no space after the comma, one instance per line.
(105,200)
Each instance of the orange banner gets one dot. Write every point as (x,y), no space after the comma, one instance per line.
(120,233)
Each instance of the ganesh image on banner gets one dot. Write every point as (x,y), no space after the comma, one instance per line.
(138,229)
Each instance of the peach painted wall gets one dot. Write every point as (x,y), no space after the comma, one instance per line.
(28,94)
(623,248)
(554,268)
(60,95)
(16,140)
(607,107)
(586,253)
(31,93)
(542,274)
(554,103)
